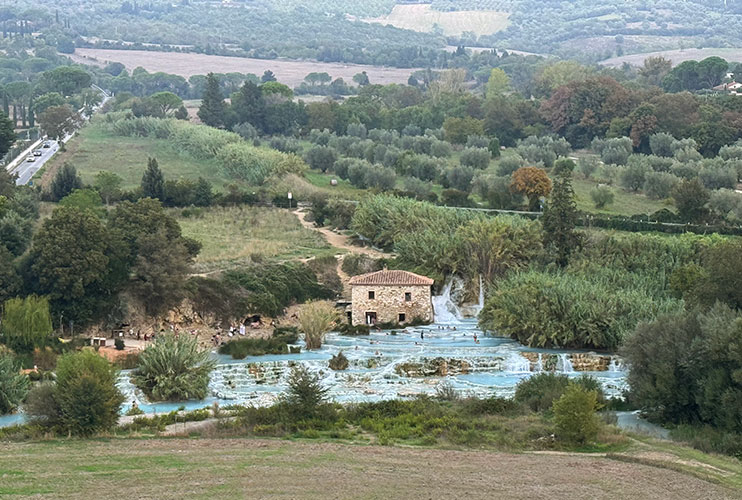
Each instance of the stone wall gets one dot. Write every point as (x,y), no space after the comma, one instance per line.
(389,302)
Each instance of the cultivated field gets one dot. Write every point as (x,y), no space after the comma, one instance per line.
(236,236)
(291,73)
(420,17)
(676,56)
(251,468)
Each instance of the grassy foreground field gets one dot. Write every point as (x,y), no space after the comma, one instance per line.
(251,468)
(235,236)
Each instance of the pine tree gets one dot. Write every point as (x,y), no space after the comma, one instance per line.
(203,196)
(65,182)
(181,113)
(153,183)
(213,109)
(560,218)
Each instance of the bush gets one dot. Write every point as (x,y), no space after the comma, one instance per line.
(539,391)
(119,344)
(86,393)
(174,368)
(494,147)
(13,385)
(253,165)
(339,362)
(682,368)
(26,324)
(315,320)
(305,395)
(594,308)
(477,142)
(358,263)
(634,175)
(475,157)
(509,164)
(440,149)
(659,185)
(574,415)
(445,391)
(662,144)
(496,191)
(272,287)
(321,158)
(277,344)
(614,151)
(602,196)
(41,406)
(459,178)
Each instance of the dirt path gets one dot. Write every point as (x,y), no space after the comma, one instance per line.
(260,468)
(341,242)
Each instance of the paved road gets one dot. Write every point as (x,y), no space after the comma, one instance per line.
(26,170)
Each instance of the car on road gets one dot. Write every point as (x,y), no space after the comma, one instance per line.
(47,144)
(37,153)
(30,159)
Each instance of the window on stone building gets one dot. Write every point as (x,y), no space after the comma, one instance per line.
(371,295)
(408,296)
(402,317)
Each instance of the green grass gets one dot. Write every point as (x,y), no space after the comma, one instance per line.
(625,202)
(322,468)
(94,150)
(236,236)
(343,188)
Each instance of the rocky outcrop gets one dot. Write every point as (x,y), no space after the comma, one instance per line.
(579,361)
(436,367)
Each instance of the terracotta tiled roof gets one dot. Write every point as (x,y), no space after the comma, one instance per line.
(387,277)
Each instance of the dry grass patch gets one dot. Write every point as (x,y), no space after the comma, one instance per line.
(420,17)
(239,468)
(234,236)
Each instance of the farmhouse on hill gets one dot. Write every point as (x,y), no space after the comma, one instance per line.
(390,297)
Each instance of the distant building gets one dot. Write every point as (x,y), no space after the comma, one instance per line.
(733,88)
(390,297)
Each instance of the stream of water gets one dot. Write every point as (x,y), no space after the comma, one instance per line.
(387,365)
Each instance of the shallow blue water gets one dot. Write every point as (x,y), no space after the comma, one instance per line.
(495,367)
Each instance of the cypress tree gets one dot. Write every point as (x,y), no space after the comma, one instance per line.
(153,182)
(213,109)
(560,216)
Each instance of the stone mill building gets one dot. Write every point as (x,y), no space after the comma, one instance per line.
(390,297)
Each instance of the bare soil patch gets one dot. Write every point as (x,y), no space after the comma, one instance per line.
(252,468)
(289,72)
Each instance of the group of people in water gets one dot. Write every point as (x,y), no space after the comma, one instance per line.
(422,336)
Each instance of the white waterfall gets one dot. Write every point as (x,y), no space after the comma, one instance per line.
(564,365)
(539,364)
(445,310)
(517,364)
(480,303)
(616,365)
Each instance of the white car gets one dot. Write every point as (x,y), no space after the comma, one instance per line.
(30,159)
